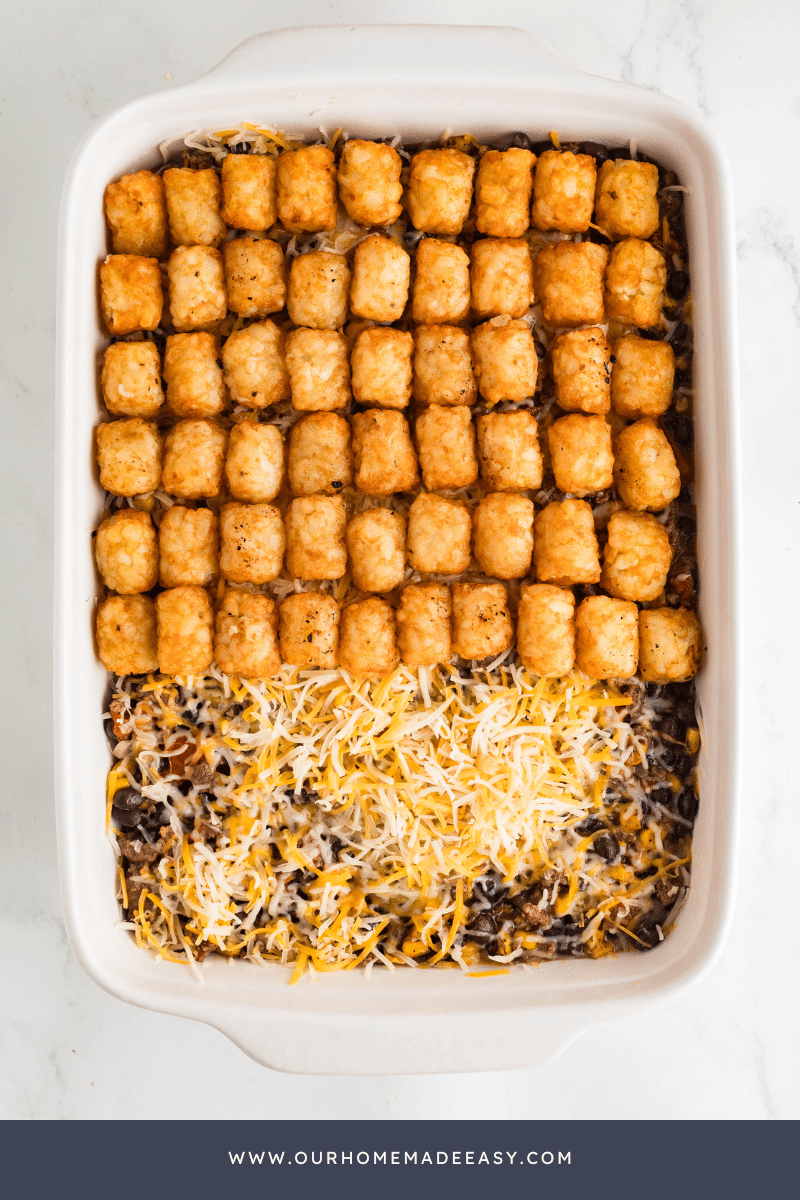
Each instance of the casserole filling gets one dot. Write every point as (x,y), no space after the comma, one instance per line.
(398,552)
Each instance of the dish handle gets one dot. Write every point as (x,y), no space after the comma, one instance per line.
(441,53)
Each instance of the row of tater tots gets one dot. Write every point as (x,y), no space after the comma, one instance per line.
(194,456)
(251,636)
(577,283)
(251,543)
(258,366)
(559,192)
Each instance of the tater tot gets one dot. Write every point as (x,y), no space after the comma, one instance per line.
(581,364)
(501,277)
(642,377)
(129,456)
(381,274)
(381,367)
(446,441)
(626,203)
(131,296)
(482,625)
(424,636)
(443,366)
(645,471)
(607,637)
(580,454)
(441,287)
(126,635)
(384,456)
(306,198)
(315,546)
(197,298)
(252,542)
(249,191)
(188,547)
(193,203)
(246,635)
(635,280)
(506,365)
(569,283)
(565,547)
(195,387)
(319,372)
(376,543)
(255,275)
(439,532)
(255,368)
(319,283)
(369,182)
(563,191)
(254,463)
(320,456)
(136,212)
(126,551)
(669,645)
(636,558)
(546,629)
(366,638)
(309,630)
(193,459)
(185,626)
(440,190)
(508,450)
(502,532)
(503,192)
(131,379)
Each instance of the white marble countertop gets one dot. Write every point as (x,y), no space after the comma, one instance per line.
(731,1048)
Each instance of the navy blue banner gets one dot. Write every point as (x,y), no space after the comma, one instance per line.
(395,1159)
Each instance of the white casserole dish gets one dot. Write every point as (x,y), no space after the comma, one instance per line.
(377,80)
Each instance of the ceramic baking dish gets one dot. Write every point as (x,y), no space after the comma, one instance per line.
(378,80)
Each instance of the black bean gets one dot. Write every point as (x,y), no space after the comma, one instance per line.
(672,312)
(185,786)
(240,148)
(620,152)
(645,874)
(411,237)
(128,798)
(671,727)
(652,335)
(685,712)
(683,378)
(126,819)
(686,524)
(540,350)
(308,796)
(234,710)
(337,483)
(518,140)
(589,825)
(680,691)
(223,767)
(555,928)
(652,689)
(686,804)
(661,794)
(542,147)
(678,284)
(595,150)
(671,204)
(681,337)
(646,929)
(606,846)
(108,726)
